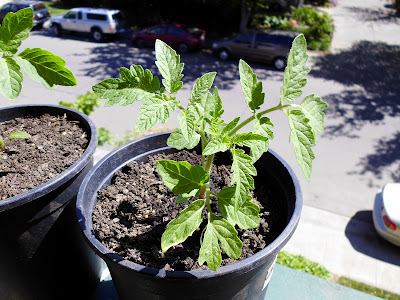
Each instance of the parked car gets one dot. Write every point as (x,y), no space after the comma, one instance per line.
(41,12)
(177,36)
(269,46)
(386,213)
(95,21)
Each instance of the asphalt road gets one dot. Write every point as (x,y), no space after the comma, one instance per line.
(359,150)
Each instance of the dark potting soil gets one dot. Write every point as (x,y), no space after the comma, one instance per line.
(133,211)
(55,144)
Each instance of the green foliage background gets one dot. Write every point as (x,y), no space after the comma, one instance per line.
(317,26)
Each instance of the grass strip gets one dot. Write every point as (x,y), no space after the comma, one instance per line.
(301,263)
(367,289)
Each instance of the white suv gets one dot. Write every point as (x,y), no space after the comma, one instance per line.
(96,21)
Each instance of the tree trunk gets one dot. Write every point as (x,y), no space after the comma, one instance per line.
(244,17)
(296,3)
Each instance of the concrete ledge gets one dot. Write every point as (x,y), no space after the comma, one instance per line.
(348,247)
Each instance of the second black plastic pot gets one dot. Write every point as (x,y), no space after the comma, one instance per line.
(246,279)
(41,248)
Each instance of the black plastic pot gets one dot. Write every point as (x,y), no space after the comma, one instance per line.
(246,279)
(41,247)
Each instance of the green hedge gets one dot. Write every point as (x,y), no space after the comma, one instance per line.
(316,26)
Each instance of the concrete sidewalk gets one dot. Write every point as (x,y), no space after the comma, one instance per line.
(347,247)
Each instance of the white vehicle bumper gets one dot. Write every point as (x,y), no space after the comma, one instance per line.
(378,222)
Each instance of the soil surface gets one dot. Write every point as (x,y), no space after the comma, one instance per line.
(132,213)
(55,144)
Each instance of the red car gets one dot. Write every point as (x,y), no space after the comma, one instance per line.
(178,37)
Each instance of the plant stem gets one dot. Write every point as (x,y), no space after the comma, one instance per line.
(203,190)
(179,106)
(208,201)
(209,162)
(247,121)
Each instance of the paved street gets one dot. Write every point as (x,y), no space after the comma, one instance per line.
(359,79)
(358,152)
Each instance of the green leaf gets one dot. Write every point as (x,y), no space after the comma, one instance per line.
(221,229)
(119,91)
(214,106)
(134,85)
(179,229)
(15,29)
(168,63)
(242,169)
(10,78)
(202,101)
(232,124)
(45,67)
(252,88)
(313,108)
(178,141)
(247,215)
(180,176)
(227,236)
(261,126)
(140,78)
(202,86)
(302,136)
(248,139)
(217,144)
(187,123)
(293,77)
(210,251)
(19,135)
(226,204)
(154,110)
(208,110)
(187,196)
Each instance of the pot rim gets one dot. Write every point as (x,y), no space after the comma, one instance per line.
(251,262)
(68,173)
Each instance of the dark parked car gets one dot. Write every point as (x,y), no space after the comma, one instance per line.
(270,46)
(179,37)
(41,12)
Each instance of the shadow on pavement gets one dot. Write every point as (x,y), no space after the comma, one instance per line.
(370,70)
(385,14)
(385,155)
(370,73)
(106,60)
(363,237)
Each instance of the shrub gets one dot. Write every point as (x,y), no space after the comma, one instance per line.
(87,104)
(276,22)
(316,26)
